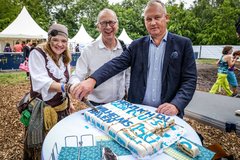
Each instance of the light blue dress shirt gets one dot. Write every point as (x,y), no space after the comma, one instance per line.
(154,76)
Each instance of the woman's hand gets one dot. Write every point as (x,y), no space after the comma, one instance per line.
(71,108)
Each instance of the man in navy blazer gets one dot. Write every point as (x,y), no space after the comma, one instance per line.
(163,68)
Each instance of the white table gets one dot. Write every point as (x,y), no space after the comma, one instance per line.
(76,125)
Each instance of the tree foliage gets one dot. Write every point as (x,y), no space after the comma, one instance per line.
(205,22)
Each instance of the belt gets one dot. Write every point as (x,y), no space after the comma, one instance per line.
(51,116)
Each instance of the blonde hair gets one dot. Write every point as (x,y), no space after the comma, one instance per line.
(66,54)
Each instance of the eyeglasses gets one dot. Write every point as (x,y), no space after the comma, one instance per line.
(105,23)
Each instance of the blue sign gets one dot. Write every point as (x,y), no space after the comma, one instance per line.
(11,61)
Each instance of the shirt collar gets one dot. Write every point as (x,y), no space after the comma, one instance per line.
(102,45)
(164,38)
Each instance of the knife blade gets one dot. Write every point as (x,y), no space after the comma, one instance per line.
(89,104)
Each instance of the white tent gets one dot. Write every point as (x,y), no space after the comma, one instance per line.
(125,38)
(82,37)
(23,27)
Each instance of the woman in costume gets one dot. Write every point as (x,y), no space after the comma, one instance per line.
(49,66)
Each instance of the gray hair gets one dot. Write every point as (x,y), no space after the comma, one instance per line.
(106,10)
(153,2)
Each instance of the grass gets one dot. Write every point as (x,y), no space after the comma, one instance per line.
(12,77)
(206,61)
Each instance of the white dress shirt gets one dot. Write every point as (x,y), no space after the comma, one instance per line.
(92,58)
(41,81)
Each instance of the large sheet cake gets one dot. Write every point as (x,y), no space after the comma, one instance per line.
(143,132)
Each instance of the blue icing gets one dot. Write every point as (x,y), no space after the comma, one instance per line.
(146,115)
(113,135)
(93,122)
(143,133)
(102,127)
(178,135)
(173,128)
(155,123)
(133,109)
(110,117)
(136,112)
(163,144)
(86,127)
(98,125)
(121,104)
(121,141)
(150,140)
(87,117)
(131,138)
(120,119)
(186,144)
(127,123)
(140,127)
(155,150)
(162,117)
(166,135)
(132,149)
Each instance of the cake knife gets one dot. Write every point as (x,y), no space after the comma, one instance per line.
(89,104)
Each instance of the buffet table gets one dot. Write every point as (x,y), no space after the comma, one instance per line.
(75,125)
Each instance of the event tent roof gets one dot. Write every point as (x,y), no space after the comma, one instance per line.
(124,37)
(24,27)
(82,37)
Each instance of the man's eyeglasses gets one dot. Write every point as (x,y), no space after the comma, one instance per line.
(105,23)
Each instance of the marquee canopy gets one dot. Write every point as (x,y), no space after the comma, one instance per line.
(82,37)
(124,37)
(23,27)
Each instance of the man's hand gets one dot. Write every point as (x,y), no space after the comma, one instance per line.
(82,89)
(168,109)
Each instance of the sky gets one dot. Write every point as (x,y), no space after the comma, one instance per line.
(187,2)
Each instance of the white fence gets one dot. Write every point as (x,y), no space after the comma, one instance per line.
(210,51)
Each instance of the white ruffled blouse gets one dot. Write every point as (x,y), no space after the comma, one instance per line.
(41,81)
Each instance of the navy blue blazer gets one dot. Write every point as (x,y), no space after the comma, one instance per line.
(179,75)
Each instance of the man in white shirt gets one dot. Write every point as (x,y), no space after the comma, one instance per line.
(96,54)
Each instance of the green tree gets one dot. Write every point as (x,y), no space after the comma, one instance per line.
(8,12)
(183,21)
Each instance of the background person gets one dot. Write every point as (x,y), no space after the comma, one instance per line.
(231,77)
(26,52)
(163,68)
(98,53)
(7,48)
(17,47)
(77,48)
(49,66)
(224,63)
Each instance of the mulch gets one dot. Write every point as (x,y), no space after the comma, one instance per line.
(12,131)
